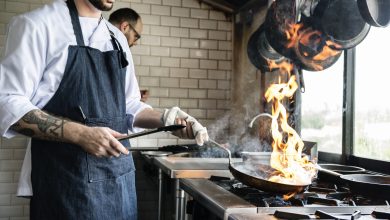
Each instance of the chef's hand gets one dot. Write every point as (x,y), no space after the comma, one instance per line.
(102,142)
(193,128)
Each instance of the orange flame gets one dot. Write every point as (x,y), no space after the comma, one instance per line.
(286,157)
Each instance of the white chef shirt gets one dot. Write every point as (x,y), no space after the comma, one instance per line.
(34,61)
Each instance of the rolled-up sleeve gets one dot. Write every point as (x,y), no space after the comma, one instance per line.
(20,71)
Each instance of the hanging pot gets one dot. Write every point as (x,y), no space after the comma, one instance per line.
(341,21)
(375,12)
(261,53)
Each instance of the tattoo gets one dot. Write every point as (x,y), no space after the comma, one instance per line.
(37,123)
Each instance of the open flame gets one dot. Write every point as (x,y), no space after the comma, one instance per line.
(292,167)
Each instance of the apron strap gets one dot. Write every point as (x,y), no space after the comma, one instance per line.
(117,46)
(75,22)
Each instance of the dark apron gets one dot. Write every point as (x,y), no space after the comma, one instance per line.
(67,182)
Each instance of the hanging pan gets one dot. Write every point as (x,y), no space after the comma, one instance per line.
(375,12)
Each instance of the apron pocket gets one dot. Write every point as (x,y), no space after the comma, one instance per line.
(104,168)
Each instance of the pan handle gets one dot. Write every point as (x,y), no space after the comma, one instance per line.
(331,172)
(227,150)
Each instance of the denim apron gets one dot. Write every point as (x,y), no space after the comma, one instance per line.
(67,182)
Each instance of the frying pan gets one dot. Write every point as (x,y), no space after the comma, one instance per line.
(375,12)
(365,184)
(257,175)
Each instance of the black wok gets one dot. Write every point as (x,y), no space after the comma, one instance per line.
(365,184)
(257,175)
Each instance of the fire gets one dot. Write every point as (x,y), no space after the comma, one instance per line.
(286,157)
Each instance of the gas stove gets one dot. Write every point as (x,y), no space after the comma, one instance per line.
(224,198)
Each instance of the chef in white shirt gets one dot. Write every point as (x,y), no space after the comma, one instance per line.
(67,80)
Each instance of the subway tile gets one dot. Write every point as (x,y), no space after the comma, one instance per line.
(17,7)
(153,102)
(189,63)
(180,52)
(225,25)
(188,83)
(197,33)
(216,94)
(223,104)
(16,142)
(229,55)
(180,12)
(5,199)
(151,40)
(11,211)
(142,70)
(169,82)
(18,154)
(171,2)
(170,21)
(178,93)
(198,73)
(217,35)
(170,62)
(197,53)
(189,43)
(19,200)
(6,176)
(136,60)
(150,61)
(197,113)
(140,8)
(224,65)
(225,45)
(207,104)
(5,17)
(197,93)
(159,71)
(217,55)
(159,92)
(156,2)
(179,32)
(208,64)
(207,84)
(208,24)
(188,103)
(199,13)
(217,15)
(149,142)
(165,142)
(150,19)
(145,31)
(149,81)
(161,10)
(216,74)
(229,36)
(20,218)
(140,50)
(159,30)
(160,51)
(209,44)
(205,6)
(191,4)
(179,72)
(214,113)
(224,84)
(169,102)
(170,41)
(6,153)
(8,188)
(189,23)
(10,165)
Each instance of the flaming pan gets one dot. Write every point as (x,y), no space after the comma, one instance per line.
(257,175)
(366,184)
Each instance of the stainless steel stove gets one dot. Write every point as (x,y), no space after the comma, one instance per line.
(222,198)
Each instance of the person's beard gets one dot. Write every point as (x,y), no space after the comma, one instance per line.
(100,5)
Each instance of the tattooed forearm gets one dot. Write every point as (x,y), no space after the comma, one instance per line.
(39,124)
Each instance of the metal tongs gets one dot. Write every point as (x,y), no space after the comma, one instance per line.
(142,133)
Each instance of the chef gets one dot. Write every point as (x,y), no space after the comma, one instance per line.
(67,80)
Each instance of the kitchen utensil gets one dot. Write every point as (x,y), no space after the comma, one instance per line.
(257,175)
(375,12)
(151,131)
(156,153)
(365,184)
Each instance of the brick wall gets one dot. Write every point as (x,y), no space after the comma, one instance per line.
(184,59)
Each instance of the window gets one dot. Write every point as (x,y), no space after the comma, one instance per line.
(322,107)
(372,105)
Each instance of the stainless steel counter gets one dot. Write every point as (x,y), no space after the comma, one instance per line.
(183,167)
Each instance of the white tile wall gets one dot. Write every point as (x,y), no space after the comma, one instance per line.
(184,59)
